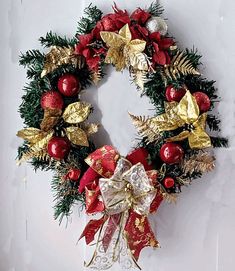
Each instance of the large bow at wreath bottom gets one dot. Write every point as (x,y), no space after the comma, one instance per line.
(126,191)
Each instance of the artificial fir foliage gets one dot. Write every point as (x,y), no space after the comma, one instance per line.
(88,22)
(172,147)
(154,88)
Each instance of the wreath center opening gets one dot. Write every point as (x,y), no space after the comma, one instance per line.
(112,100)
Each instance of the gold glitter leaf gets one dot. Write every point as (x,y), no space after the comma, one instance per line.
(41,155)
(31,134)
(180,65)
(91,128)
(77,136)
(50,119)
(76,112)
(138,61)
(60,56)
(112,39)
(169,198)
(139,78)
(137,45)
(42,143)
(96,76)
(201,162)
(146,128)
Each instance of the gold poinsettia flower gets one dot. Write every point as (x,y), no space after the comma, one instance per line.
(123,51)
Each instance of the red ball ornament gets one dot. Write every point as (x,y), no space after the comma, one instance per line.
(52,100)
(74,174)
(202,100)
(168,182)
(173,94)
(69,85)
(58,147)
(171,153)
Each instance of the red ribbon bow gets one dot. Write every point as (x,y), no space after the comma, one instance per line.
(138,232)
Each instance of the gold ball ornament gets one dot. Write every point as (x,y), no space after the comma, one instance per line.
(157,24)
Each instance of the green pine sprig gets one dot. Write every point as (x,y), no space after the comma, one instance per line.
(52,39)
(155,9)
(88,22)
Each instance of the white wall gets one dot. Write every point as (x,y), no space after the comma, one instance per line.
(198,232)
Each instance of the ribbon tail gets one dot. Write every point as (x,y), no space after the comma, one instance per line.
(183,135)
(96,248)
(199,139)
(91,229)
(111,227)
(139,234)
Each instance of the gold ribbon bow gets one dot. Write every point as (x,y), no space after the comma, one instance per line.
(184,114)
(129,187)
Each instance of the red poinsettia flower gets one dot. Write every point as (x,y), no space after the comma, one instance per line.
(140,16)
(139,32)
(91,54)
(160,48)
(111,22)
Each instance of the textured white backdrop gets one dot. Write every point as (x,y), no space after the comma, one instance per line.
(196,234)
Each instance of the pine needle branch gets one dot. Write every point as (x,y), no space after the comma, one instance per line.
(87,23)
(213,122)
(52,39)
(219,142)
(31,57)
(194,57)
(155,9)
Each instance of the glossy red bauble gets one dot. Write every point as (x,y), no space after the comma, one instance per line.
(52,100)
(202,100)
(74,174)
(171,153)
(168,182)
(69,85)
(58,147)
(173,94)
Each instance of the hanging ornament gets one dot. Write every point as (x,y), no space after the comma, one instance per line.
(168,182)
(74,174)
(171,153)
(58,147)
(157,24)
(173,94)
(202,100)
(69,85)
(52,100)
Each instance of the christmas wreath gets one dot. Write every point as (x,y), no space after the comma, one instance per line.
(175,145)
